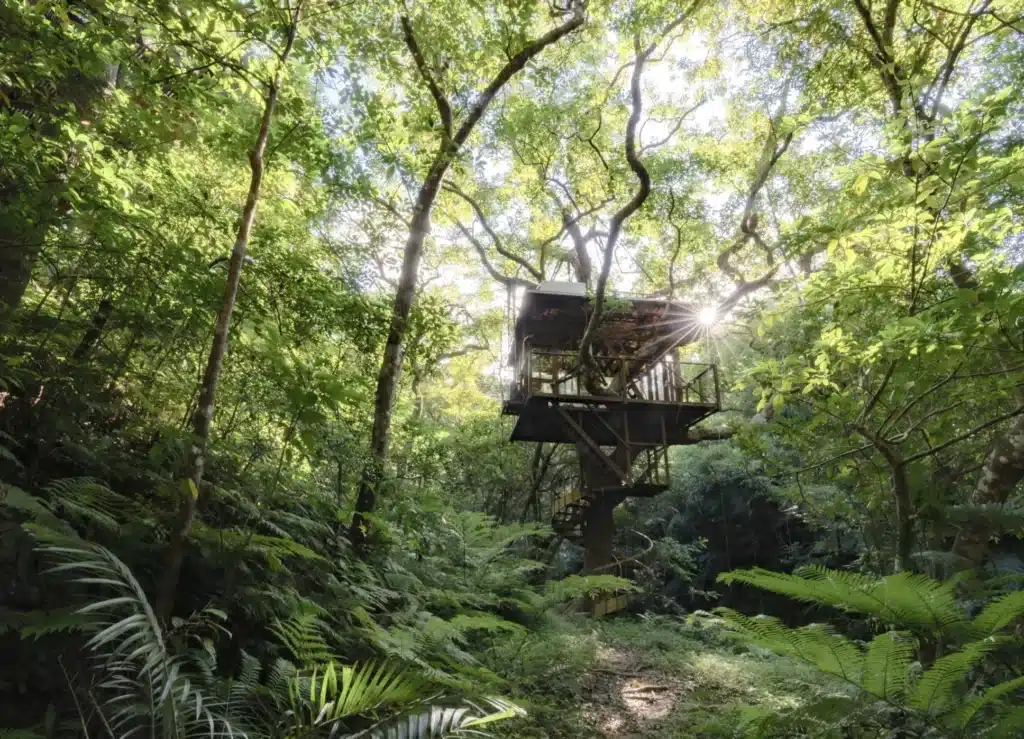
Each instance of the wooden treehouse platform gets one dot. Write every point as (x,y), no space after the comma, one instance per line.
(639,402)
(622,410)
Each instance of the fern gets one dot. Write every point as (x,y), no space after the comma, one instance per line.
(92,502)
(964,716)
(34,624)
(586,586)
(817,644)
(907,600)
(302,635)
(882,671)
(272,548)
(999,518)
(34,507)
(935,692)
(886,666)
(998,614)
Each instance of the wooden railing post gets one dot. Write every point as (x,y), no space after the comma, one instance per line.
(718,394)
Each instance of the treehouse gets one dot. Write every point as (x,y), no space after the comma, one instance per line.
(621,412)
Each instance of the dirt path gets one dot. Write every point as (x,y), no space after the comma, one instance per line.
(626,701)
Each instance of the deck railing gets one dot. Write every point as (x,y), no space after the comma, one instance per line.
(559,373)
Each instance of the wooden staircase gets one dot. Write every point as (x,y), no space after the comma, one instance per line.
(568,519)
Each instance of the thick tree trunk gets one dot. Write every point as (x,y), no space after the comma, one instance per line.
(599,521)
(203,416)
(32,204)
(394,349)
(1002,471)
(20,243)
(599,534)
(450,146)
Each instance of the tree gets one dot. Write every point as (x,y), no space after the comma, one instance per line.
(202,419)
(450,141)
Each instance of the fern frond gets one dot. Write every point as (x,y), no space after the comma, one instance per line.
(998,614)
(908,600)
(961,719)
(1009,726)
(35,508)
(887,665)
(816,644)
(302,635)
(586,586)
(935,692)
(90,500)
(34,624)
(999,518)
(486,622)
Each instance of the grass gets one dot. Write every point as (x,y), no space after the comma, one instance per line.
(642,677)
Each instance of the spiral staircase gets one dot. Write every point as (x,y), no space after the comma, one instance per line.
(569,519)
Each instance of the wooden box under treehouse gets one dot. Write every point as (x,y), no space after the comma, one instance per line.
(622,414)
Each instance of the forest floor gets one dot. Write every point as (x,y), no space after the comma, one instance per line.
(644,678)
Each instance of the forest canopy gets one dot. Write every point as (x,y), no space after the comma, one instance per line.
(266,461)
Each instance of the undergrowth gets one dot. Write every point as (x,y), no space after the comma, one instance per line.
(561,674)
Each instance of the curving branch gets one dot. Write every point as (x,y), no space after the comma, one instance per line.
(773,151)
(619,218)
(675,128)
(498,246)
(481,251)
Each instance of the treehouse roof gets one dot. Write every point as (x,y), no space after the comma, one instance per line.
(554,315)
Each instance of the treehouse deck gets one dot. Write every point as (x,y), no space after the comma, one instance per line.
(622,408)
(629,401)
(559,419)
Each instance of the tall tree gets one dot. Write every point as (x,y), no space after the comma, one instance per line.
(202,418)
(449,145)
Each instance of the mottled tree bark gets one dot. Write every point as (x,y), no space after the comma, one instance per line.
(202,418)
(1002,471)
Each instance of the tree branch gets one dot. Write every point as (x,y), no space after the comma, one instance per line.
(964,436)
(643,186)
(453,188)
(481,250)
(444,108)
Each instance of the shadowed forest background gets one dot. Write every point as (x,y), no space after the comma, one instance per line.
(260,264)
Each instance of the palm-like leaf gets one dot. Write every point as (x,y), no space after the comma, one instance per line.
(441,721)
(143,684)
(327,696)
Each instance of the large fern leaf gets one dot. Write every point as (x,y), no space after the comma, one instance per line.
(998,614)
(1009,726)
(303,636)
(936,691)
(887,664)
(904,600)
(961,719)
(817,644)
